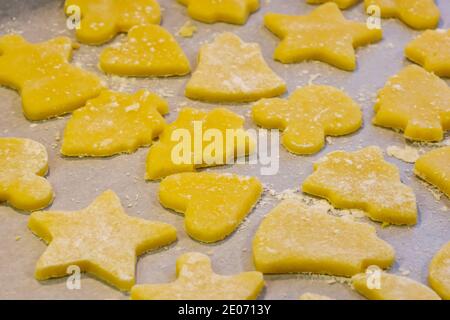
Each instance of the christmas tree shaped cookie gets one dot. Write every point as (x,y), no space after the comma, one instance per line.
(114,123)
(101,239)
(148,51)
(342,4)
(308,116)
(431,50)
(418,14)
(296,238)
(101,20)
(229,11)
(197,281)
(48,84)
(434,167)
(416,102)
(323,35)
(391,287)
(230,70)
(199,139)
(213,204)
(439,273)
(23,163)
(363,180)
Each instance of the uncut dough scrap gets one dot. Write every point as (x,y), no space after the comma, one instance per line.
(296,238)
(197,281)
(213,204)
(363,180)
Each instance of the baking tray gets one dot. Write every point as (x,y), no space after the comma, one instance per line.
(78,181)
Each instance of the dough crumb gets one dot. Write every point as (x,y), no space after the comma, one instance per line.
(406,154)
(187,30)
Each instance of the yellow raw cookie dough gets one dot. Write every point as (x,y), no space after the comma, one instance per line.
(434,167)
(308,116)
(148,51)
(102,20)
(313,296)
(23,163)
(439,273)
(101,239)
(416,102)
(114,123)
(323,35)
(228,11)
(41,73)
(431,50)
(194,141)
(197,281)
(418,14)
(213,204)
(230,70)
(391,287)
(342,4)
(296,238)
(363,180)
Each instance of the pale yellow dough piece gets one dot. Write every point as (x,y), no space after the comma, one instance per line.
(23,163)
(310,113)
(418,14)
(363,180)
(439,272)
(229,11)
(313,296)
(342,4)
(230,70)
(114,123)
(197,281)
(199,139)
(323,35)
(101,239)
(416,102)
(434,167)
(392,287)
(48,84)
(296,238)
(102,20)
(213,204)
(149,50)
(431,50)
(187,30)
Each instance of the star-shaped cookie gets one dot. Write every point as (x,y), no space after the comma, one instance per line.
(296,238)
(101,239)
(323,35)
(149,50)
(418,14)
(416,102)
(342,4)
(102,20)
(229,11)
(431,50)
(23,163)
(439,272)
(197,281)
(230,70)
(49,85)
(363,180)
(391,287)
(311,113)
(114,123)
(213,204)
(199,139)
(434,167)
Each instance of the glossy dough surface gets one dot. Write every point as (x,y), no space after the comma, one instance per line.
(310,113)
(197,281)
(295,238)
(23,163)
(114,123)
(363,180)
